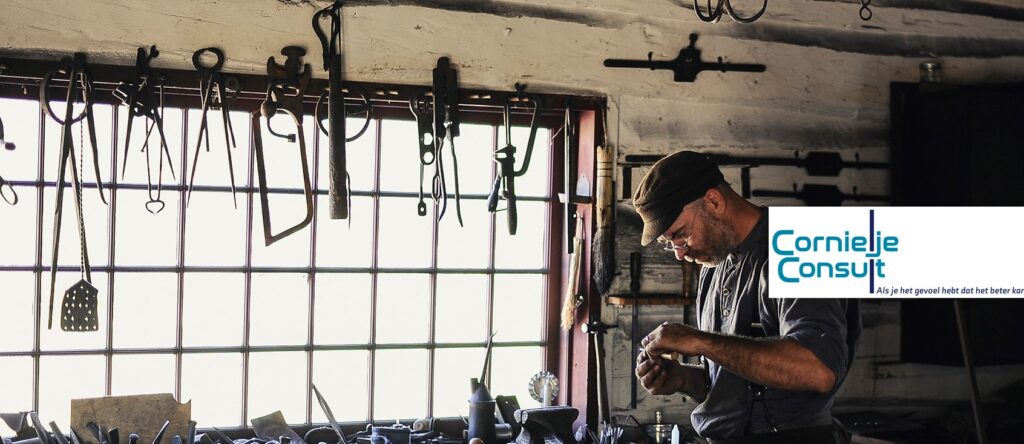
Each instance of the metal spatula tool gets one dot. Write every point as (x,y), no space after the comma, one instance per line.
(79,309)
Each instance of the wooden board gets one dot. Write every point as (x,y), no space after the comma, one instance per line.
(140,414)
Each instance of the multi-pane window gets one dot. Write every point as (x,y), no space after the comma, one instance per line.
(387,313)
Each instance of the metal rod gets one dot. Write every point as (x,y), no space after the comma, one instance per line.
(270,348)
(226,189)
(374,260)
(972,377)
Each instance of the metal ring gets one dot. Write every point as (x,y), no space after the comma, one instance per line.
(197,60)
(367,107)
(44,87)
(865,13)
(713,15)
(4,186)
(736,17)
(157,210)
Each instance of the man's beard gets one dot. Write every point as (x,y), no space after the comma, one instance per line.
(719,240)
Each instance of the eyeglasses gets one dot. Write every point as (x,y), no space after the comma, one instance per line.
(682,233)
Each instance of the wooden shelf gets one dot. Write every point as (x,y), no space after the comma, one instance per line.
(648,299)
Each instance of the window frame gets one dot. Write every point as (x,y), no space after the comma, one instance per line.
(482,109)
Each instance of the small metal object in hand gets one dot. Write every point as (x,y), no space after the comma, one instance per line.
(78,311)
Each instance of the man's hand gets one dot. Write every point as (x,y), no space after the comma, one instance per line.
(658,376)
(673,337)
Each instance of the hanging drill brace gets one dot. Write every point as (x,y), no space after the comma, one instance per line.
(286,88)
(504,184)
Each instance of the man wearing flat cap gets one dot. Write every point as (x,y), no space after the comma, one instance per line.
(770,367)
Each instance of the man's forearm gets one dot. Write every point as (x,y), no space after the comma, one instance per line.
(778,363)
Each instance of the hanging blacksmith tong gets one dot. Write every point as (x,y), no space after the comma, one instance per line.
(437,121)
(286,87)
(144,97)
(687,65)
(79,307)
(504,184)
(446,129)
(217,91)
(337,170)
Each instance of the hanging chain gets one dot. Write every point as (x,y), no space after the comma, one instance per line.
(78,195)
(865,10)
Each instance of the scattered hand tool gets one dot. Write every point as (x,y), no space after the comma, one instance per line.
(504,184)
(714,15)
(339,193)
(287,86)
(216,91)
(144,97)
(686,66)
(547,425)
(74,436)
(44,436)
(330,415)
(273,427)
(99,432)
(160,435)
(57,434)
(634,288)
(79,308)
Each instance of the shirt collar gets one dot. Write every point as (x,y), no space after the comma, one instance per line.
(757,236)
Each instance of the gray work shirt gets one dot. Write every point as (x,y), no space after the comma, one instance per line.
(829,328)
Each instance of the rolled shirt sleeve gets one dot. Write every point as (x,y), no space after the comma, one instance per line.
(819,325)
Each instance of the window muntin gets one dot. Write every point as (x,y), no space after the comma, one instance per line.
(192,307)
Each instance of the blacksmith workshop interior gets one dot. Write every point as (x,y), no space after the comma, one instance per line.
(413,221)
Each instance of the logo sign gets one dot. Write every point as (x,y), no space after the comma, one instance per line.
(895,252)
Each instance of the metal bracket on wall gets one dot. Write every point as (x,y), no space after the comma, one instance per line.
(815,164)
(821,195)
(687,65)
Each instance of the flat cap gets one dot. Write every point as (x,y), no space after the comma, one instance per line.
(673,182)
